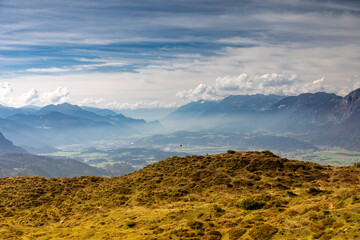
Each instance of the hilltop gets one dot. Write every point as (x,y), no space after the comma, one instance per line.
(234,195)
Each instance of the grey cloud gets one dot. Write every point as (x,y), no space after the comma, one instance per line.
(106,22)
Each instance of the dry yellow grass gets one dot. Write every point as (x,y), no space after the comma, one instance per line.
(241,195)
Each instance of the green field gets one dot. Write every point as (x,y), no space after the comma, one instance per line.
(333,157)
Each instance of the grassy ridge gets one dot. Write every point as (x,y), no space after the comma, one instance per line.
(241,195)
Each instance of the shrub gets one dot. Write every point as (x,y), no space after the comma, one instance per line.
(291,194)
(195,224)
(236,233)
(131,224)
(263,232)
(314,191)
(251,204)
(214,235)
(357,164)
(328,221)
(318,234)
(218,209)
(231,151)
(326,212)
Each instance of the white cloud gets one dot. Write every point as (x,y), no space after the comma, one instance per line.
(74,68)
(230,83)
(5,89)
(47,70)
(60,95)
(270,83)
(29,97)
(90,102)
(202,91)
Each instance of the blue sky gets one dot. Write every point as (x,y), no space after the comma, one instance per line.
(129,54)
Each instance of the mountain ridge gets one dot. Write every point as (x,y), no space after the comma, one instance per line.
(6,146)
(319,118)
(66,123)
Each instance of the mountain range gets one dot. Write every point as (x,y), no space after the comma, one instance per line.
(8,111)
(320,118)
(39,130)
(231,105)
(317,118)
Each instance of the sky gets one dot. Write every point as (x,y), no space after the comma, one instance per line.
(164,53)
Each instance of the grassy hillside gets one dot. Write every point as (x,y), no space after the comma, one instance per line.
(235,195)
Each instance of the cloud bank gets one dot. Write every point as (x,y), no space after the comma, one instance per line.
(32,97)
(270,83)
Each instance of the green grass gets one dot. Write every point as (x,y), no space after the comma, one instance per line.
(333,157)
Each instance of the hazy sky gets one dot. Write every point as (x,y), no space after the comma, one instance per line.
(138,53)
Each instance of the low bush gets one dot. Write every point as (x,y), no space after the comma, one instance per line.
(236,233)
(131,224)
(251,204)
(218,209)
(263,232)
(314,191)
(195,224)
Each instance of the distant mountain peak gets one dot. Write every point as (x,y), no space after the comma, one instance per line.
(306,100)
(352,97)
(66,108)
(349,104)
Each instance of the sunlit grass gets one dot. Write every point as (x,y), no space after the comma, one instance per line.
(241,195)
